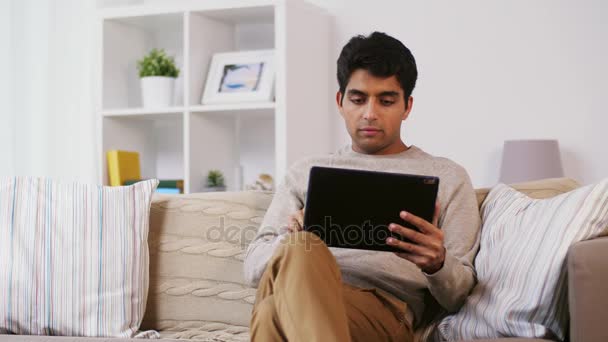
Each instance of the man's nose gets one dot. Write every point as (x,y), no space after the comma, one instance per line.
(371,111)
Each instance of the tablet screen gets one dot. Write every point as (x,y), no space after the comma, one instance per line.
(353,208)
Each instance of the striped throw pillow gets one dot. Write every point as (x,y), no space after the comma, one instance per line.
(73,257)
(521,268)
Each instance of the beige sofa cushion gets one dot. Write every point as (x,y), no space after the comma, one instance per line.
(197,245)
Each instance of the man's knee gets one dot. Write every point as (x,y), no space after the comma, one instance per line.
(301,251)
(303,241)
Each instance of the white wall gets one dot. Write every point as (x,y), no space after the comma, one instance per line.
(489,71)
(7,125)
(496,70)
(48,127)
(28,93)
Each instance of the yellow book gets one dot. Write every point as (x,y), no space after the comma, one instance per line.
(122,165)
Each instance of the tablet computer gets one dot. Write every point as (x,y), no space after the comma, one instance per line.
(353,208)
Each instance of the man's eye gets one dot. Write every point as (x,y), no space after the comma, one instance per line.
(357,100)
(387,102)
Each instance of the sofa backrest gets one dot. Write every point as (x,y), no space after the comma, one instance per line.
(543,188)
(197,245)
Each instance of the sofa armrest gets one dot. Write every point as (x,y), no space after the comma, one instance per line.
(587,290)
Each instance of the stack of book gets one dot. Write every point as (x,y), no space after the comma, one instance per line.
(124,169)
(165,186)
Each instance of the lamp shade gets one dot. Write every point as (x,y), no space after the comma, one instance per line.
(526,160)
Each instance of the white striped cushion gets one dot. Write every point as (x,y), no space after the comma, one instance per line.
(73,257)
(522,284)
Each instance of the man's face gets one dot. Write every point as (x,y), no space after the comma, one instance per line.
(373,109)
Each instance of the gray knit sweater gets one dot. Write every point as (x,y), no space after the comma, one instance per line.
(459,219)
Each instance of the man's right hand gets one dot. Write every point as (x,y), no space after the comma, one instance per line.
(296,221)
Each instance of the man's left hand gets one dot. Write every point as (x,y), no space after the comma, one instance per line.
(425,248)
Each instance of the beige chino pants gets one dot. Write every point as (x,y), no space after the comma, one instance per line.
(301,297)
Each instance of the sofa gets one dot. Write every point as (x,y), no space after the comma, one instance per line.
(197,246)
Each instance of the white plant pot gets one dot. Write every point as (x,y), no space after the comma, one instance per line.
(157,91)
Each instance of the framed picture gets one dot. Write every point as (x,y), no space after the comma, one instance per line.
(235,77)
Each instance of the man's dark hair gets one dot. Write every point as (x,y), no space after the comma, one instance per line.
(382,56)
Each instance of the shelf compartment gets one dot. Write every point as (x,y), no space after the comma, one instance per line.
(240,147)
(127,40)
(226,30)
(157,139)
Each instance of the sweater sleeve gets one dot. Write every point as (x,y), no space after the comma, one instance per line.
(460,222)
(274,227)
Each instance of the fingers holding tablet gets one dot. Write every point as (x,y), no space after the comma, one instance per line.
(425,247)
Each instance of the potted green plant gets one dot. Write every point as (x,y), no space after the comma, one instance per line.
(157,72)
(215,181)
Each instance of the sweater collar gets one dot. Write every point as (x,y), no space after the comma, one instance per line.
(347,151)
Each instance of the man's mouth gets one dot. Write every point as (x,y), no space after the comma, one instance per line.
(369,131)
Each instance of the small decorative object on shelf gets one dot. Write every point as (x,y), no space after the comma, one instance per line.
(158,73)
(165,186)
(263,183)
(215,181)
(240,77)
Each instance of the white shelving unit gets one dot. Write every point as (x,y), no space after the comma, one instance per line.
(242,140)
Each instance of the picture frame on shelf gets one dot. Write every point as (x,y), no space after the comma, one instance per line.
(244,76)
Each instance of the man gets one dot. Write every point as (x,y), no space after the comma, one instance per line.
(309,292)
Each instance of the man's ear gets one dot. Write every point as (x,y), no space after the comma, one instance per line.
(339,101)
(410,103)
